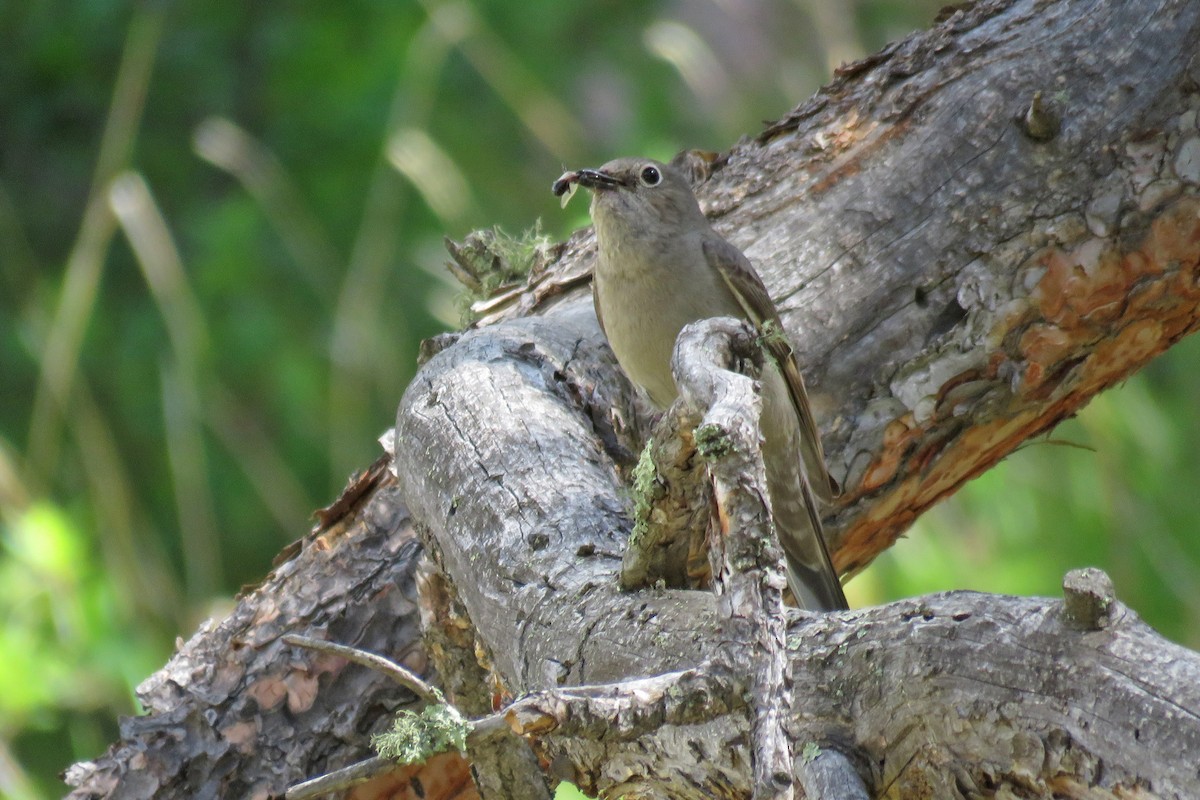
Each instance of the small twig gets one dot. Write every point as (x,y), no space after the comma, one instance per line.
(367,769)
(340,779)
(406,678)
(1056,442)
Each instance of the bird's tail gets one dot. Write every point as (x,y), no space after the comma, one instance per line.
(815,589)
(811,577)
(810,573)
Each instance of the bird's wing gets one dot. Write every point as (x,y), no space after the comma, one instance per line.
(756,303)
(596,305)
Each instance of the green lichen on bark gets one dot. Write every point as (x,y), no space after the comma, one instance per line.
(415,738)
(711,441)
(647,489)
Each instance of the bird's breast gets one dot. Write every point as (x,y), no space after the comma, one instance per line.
(646,302)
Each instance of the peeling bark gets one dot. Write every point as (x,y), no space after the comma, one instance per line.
(959,273)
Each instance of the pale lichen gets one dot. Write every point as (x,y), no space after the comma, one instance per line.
(810,752)
(712,441)
(647,489)
(415,738)
(487,261)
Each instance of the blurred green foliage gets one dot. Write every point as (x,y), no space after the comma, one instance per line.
(220,243)
(567,791)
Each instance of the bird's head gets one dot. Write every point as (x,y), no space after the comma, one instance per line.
(636,197)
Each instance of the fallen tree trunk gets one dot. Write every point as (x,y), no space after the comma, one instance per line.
(969,235)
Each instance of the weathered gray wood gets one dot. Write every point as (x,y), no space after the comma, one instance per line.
(537,513)
(960,679)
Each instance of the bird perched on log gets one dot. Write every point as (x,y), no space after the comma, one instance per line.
(661,266)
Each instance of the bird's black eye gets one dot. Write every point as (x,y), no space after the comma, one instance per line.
(651,176)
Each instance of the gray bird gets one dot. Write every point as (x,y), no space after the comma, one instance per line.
(661,266)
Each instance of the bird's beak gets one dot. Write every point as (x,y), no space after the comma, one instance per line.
(596,179)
